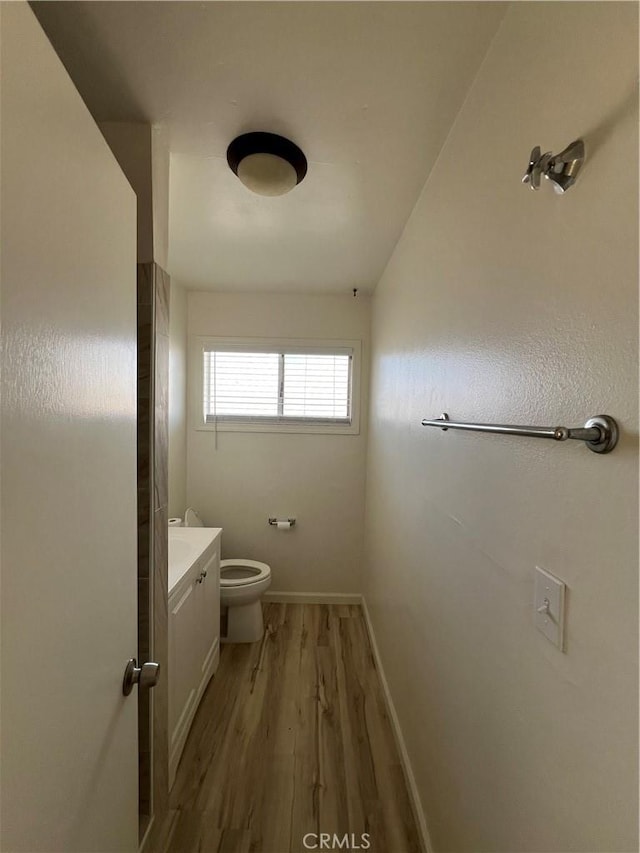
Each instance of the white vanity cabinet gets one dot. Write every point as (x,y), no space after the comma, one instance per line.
(208,618)
(194,631)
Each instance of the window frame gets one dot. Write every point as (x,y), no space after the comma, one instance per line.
(200,344)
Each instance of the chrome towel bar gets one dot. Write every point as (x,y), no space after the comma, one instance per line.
(599,433)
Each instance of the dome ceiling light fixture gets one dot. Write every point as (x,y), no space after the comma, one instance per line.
(266,163)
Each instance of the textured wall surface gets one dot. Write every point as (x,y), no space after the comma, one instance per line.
(251,476)
(504,305)
(178,402)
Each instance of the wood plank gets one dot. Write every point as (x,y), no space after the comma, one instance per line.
(212,732)
(359,806)
(237,796)
(196,832)
(284,682)
(332,803)
(306,784)
(292,737)
(395,816)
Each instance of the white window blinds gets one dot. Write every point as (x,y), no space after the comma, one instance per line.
(285,387)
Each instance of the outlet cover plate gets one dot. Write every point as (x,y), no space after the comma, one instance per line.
(549,619)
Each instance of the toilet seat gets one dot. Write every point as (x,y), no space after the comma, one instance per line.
(191,518)
(249,571)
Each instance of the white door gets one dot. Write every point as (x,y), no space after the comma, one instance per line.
(68,467)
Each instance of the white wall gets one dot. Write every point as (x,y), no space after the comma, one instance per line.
(142,150)
(177,401)
(504,305)
(130,143)
(319,479)
(160,164)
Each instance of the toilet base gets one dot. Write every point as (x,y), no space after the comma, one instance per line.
(244,623)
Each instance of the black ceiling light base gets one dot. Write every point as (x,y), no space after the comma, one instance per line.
(266,143)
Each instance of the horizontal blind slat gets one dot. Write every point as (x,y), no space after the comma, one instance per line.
(241,385)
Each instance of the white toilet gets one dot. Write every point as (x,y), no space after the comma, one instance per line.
(242,583)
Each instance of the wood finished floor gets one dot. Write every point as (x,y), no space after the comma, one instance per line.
(292,737)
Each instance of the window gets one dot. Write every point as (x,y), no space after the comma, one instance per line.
(278,385)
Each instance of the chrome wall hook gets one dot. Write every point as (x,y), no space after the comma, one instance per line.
(561,169)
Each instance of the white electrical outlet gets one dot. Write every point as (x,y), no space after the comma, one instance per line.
(549,607)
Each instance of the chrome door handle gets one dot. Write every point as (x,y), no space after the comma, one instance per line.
(144,676)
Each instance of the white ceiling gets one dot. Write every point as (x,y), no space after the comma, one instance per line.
(368,90)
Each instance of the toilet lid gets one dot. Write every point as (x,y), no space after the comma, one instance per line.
(192,519)
(242,572)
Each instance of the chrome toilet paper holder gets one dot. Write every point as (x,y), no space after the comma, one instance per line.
(274,521)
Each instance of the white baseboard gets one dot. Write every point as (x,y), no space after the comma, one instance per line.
(313,597)
(414,796)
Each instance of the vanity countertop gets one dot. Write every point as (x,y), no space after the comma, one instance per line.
(186,546)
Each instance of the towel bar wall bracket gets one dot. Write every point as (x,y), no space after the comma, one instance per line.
(600,433)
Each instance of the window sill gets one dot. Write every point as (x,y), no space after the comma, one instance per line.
(312,429)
